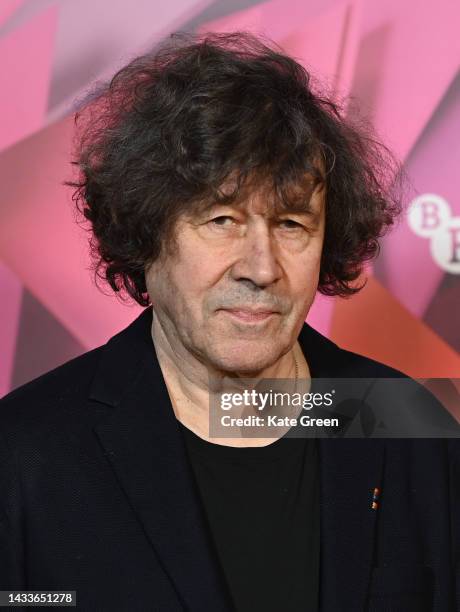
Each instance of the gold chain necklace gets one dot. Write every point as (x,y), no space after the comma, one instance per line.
(296,373)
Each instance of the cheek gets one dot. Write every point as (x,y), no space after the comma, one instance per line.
(199,270)
(304,280)
(161,282)
(189,281)
(308,265)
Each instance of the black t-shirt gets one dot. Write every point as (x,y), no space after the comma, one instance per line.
(262,507)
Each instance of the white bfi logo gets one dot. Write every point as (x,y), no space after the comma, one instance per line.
(429,216)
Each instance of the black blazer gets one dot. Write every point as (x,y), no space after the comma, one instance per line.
(96,495)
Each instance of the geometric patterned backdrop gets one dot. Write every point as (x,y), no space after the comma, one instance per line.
(397,61)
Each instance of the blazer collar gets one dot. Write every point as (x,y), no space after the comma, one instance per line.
(143,443)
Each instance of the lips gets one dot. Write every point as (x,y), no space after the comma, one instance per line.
(246,314)
(251,310)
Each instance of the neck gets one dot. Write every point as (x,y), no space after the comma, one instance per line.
(187,379)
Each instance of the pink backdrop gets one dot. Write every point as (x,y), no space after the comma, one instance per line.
(399,61)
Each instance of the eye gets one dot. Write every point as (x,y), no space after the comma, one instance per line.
(291,224)
(220,221)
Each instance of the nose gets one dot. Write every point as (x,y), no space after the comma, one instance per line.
(257,256)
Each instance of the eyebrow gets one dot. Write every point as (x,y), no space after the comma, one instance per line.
(314,214)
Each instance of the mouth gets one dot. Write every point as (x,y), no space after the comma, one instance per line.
(248,315)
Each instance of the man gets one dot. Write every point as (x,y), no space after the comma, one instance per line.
(222,193)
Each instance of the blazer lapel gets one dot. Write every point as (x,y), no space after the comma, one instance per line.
(143,443)
(350,469)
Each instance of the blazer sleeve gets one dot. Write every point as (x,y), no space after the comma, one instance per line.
(12,558)
(454,486)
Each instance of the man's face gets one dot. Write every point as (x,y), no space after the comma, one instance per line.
(230,260)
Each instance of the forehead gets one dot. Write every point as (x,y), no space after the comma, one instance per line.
(305,195)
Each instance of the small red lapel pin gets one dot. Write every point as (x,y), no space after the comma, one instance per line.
(375,498)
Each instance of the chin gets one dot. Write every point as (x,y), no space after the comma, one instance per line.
(246,361)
